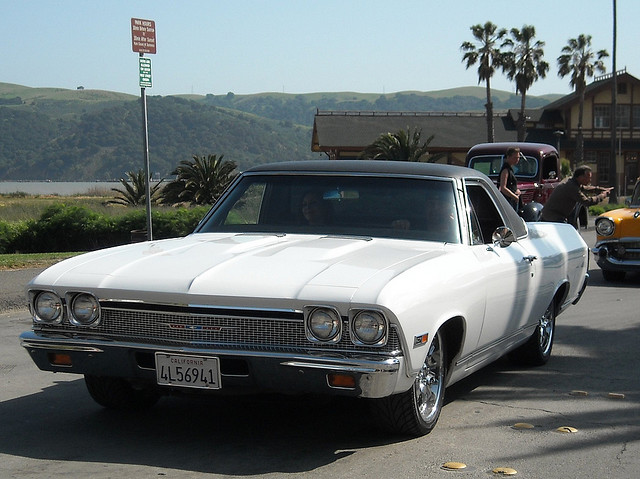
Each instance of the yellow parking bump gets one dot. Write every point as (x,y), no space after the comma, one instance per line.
(615,396)
(505,471)
(454,466)
(579,393)
(567,429)
(523,425)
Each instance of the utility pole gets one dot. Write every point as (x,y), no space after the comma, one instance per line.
(613,170)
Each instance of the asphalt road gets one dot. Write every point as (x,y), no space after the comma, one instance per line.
(49,427)
(12,288)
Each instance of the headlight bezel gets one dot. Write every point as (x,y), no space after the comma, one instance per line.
(77,317)
(357,327)
(314,318)
(605,226)
(37,309)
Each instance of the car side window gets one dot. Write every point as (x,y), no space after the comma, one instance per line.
(484,215)
(246,210)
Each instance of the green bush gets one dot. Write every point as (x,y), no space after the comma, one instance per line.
(8,232)
(63,228)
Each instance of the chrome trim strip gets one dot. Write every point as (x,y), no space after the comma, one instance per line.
(31,340)
(187,306)
(36,344)
(470,357)
(366,367)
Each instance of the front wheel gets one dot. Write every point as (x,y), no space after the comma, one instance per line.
(537,350)
(416,411)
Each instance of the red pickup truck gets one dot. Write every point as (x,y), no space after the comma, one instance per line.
(538,173)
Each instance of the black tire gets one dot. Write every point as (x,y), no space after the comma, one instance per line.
(613,276)
(116,393)
(416,411)
(537,350)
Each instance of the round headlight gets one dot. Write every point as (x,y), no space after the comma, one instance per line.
(85,310)
(605,227)
(324,324)
(369,327)
(48,307)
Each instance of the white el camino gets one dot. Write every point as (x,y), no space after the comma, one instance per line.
(380,280)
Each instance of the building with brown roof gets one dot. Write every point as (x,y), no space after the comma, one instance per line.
(345,134)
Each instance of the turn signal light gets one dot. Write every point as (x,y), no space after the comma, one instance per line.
(58,359)
(343,381)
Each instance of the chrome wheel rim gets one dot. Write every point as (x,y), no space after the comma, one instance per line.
(545,330)
(429,382)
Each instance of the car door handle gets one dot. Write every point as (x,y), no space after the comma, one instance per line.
(530,259)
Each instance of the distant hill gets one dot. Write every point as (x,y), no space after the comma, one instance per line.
(85,135)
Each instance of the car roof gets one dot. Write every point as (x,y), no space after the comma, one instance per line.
(370,166)
(541,149)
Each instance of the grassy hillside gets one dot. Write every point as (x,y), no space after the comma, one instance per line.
(85,135)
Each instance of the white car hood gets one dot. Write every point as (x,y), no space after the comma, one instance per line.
(243,265)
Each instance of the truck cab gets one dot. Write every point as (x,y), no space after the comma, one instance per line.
(538,171)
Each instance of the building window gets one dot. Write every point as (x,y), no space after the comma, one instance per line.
(636,116)
(603,167)
(602,116)
(590,157)
(622,88)
(624,116)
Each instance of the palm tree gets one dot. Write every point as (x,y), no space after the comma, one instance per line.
(201,181)
(580,61)
(487,54)
(524,65)
(400,146)
(135,190)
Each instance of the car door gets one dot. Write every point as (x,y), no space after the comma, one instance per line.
(508,273)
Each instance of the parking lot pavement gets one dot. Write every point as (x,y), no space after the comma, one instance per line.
(12,288)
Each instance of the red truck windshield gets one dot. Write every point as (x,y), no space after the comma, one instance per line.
(527,167)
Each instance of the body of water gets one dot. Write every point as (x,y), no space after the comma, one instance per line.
(61,188)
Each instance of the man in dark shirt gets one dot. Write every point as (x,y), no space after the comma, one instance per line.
(568,194)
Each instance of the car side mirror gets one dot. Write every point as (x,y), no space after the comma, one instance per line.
(503,237)
(627,202)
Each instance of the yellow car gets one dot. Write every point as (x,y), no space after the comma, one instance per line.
(617,249)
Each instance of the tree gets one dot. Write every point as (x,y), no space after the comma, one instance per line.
(581,62)
(523,64)
(201,181)
(487,54)
(135,190)
(400,146)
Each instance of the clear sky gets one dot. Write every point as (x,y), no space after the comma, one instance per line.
(291,46)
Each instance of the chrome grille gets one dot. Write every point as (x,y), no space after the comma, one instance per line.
(526,196)
(260,332)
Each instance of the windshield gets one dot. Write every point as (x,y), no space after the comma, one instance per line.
(406,208)
(490,165)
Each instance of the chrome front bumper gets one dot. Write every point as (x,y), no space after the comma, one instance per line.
(375,376)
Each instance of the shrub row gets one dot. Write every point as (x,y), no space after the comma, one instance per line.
(63,228)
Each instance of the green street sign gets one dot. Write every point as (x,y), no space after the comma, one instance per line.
(145,72)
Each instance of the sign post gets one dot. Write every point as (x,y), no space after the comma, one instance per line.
(143,40)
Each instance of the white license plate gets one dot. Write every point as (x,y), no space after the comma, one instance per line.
(188,371)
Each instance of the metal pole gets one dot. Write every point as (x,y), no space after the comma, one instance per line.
(613,170)
(147,171)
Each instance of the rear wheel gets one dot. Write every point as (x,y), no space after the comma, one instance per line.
(116,393)
(537,350)
(416,411)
